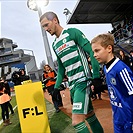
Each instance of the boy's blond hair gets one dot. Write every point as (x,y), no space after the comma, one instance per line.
(106,40)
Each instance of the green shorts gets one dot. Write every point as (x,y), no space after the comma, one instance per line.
(80,95)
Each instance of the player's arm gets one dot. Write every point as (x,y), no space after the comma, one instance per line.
(60,74)
(83,42)
(95,65)
(55,75)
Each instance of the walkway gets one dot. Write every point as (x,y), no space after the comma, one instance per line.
(102,109)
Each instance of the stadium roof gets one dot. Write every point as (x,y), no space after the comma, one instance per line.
(100,11)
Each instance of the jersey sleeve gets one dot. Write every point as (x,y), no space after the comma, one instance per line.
(78,36)
(54,73)
(84,43)
(60,74)
(126,76)
(95,65)
(60,71)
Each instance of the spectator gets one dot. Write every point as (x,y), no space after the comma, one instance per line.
(4,101)
(23,76)
(16,78)
(7,91)
(94,93)
(11,85)
(49,79)
(19,76)
(124,30)
(124,58)
(131,59)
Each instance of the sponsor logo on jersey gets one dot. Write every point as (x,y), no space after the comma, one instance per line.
(112,93)
(64,41)
(116,104)
(113,81)
(62,47)
(77,106)
(113,97)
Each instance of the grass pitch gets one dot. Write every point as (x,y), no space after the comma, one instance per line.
(59,122)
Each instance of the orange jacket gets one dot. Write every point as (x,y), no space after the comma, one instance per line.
(49,77)
(4,98)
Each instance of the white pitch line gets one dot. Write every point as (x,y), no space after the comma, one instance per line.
(50,110)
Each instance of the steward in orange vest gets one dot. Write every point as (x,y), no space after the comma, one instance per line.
(49,79)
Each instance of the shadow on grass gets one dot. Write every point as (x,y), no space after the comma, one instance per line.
(59,122)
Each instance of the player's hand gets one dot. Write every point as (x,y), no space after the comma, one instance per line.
(97,82)
(62,87)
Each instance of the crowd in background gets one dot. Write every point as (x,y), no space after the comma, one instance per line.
(127,59)
(123,30)
(19,76)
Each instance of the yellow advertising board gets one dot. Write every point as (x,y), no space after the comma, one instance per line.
(31,108)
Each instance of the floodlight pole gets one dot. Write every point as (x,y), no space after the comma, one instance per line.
(46,43)
(44,34)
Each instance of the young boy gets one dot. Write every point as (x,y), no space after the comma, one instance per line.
(119,78)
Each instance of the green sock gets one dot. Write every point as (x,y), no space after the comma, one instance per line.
(95,124)
(81,128)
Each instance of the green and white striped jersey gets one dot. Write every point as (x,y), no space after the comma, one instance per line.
(71,57)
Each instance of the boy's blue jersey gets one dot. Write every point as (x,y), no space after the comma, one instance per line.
(119,79)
